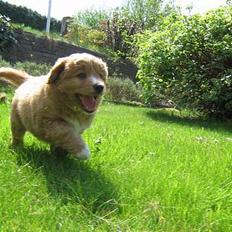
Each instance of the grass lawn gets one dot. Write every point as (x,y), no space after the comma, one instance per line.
(150,171)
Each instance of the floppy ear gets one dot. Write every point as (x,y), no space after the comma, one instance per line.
(56,70)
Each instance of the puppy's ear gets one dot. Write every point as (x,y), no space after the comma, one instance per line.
(56,70)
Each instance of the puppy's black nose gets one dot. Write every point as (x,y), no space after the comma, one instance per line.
(98,88)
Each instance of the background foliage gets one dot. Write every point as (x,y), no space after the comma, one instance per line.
(115,29)
(123,90)
(7,36)
(23,15)
(189,60)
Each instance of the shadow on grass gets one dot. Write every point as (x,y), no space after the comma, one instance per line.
(209,124)
(71,180)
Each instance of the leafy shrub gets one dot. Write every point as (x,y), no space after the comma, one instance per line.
(119,31)
(118,26)
(7,36)
(23,15)
(101,29)
(85,29)
(122,90)
(85,37)
(90,18)
(189,60)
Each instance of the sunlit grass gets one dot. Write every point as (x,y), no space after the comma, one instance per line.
(150,170)
(38,33)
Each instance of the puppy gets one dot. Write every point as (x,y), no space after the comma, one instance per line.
(59,106)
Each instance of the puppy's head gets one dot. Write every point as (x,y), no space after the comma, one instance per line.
(81,78)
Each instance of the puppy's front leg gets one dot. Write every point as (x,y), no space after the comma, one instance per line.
(61,134)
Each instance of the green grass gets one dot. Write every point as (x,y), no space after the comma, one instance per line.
(38,33)
(151,170)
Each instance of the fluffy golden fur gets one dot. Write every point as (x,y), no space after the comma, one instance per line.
(59,106)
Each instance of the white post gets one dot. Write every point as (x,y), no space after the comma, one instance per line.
(49,16)
(173,3)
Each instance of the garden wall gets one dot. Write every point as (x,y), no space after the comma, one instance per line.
(44,50)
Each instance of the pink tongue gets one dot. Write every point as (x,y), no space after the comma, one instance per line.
(88,102)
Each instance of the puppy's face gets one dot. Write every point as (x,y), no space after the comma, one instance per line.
(81,78)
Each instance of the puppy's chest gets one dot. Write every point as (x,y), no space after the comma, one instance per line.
(79,127)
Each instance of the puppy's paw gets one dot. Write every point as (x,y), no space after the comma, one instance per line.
(84,154)
(58,151)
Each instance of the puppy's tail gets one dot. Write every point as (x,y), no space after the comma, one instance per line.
(13,76)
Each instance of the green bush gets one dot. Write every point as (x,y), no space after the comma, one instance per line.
(85,37)
(122,90)
(91,18)
(7,36)
(189,60)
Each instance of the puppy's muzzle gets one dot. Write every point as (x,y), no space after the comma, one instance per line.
(98,88)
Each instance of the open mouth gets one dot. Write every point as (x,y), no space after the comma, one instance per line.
(88,103)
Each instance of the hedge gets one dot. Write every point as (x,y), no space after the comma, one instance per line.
(7,36)
(189,60)
(23,15)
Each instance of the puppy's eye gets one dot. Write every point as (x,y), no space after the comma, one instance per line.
(82,75)
(102,76)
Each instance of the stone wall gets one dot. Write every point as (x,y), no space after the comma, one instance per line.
(44,50)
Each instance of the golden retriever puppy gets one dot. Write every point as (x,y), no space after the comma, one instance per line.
(59,106)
